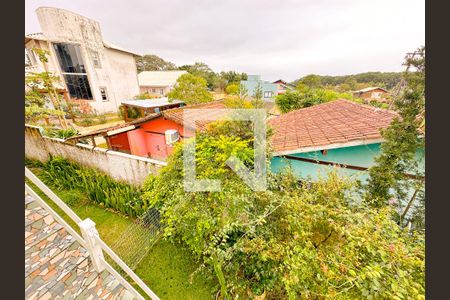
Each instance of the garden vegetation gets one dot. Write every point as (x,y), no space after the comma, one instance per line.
(295,240)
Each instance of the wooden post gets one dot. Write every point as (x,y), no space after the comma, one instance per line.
(108,142)
(90,235)
(93,141)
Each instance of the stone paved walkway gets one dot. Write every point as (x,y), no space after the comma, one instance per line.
(57,266)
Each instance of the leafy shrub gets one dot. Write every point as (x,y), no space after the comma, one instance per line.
(32,163)
(291,241)
(100,188)
(62,133)
(102,119)
(232,89)
(145,96)
(133,112)
(86,122)
(306,97)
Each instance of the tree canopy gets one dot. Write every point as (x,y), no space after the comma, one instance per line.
(404,139)
(151,62)
(386,80)
(191,89)
(41,91)
(305,97)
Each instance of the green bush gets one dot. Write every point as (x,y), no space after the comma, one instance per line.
(102,119)
(133,112)
(100,188)
(291,241)
(305,97)
(232,89)
(61,133)
(86,122)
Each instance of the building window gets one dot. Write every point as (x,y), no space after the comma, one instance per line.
(30,59)
(95,59)
(73,70)
(161,91)
(153,90)
(376,95)
(78,86)
(104,94)
(268,94)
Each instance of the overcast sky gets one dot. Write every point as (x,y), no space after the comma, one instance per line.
(277,39)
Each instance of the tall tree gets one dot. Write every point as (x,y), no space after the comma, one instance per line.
(312,81)
(41,88)
(202,70)
(404,138)
(258,92)
(233,77)
(191,89)
(151,62)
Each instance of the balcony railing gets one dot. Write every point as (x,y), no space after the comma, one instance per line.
(90,238)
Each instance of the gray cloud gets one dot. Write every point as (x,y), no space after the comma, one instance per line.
(277,39)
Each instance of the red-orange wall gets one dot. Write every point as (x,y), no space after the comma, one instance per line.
(149,140)
(119,141)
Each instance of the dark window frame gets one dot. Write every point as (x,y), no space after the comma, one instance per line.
(73,70)
(95,57)
(105,91)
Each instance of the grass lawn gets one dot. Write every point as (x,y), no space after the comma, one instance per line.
(166,268)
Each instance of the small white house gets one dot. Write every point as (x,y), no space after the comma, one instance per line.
(95,73)
(158,83)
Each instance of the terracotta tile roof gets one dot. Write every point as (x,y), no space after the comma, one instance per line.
(337,122)
(213,109)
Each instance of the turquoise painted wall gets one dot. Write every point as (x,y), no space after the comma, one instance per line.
(357,155)
(266,86)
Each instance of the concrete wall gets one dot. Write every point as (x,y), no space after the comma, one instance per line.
(117,73)
(121,166)
(123,79)
(157,92)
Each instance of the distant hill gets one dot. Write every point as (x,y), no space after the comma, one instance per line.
(387,80)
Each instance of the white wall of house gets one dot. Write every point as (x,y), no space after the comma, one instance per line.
(116,72)
(156,90)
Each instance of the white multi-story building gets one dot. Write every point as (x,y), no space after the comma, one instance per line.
(92,71)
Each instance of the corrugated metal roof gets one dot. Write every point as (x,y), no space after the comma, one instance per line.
(149,103)
(159,78)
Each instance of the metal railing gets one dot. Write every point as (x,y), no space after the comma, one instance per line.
(90,238)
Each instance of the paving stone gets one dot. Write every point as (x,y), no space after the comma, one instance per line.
(57,266)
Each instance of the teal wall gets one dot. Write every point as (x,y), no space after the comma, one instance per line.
(266,86)
(362,156)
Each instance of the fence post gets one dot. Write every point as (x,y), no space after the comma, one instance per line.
(90,235)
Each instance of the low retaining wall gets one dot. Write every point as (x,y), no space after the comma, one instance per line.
(121,166)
